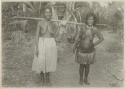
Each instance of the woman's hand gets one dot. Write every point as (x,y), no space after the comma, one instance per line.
(99,36)
(63,23)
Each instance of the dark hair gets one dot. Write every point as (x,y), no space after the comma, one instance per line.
(91,15)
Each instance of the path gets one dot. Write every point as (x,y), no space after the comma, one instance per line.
(18,72)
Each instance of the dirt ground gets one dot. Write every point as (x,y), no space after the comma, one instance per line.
(107,71)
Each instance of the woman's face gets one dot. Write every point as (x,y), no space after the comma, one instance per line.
(90,20)
(48,14)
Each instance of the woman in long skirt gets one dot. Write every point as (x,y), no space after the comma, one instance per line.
(45,59)
(84,46)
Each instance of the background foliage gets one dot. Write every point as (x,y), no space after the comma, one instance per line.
(109,13)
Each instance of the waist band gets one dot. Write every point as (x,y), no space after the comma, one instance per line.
(86,50)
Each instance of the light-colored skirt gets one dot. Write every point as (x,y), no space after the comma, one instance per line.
(85,58)
(47,57)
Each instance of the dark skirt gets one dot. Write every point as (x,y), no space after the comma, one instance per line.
(85,58)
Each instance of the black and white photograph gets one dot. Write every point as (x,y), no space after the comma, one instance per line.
(62,44)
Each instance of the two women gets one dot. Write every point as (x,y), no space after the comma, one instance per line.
(46,50)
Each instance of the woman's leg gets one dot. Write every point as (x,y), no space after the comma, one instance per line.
(48,79)
(42,78)
(81,70)
(87,68)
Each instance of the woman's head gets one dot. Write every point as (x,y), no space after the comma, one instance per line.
(48,13)
(90,19)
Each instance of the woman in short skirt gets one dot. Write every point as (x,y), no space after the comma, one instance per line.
(84,47)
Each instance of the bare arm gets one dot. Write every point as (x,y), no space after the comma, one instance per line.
(37,35)
(77,38)
(100,38)
(79,34)
(55,29)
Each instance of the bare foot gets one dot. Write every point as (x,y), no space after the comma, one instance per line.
(48,84)
(86,82)
(81,82)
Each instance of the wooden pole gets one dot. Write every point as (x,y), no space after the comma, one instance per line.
(68,22)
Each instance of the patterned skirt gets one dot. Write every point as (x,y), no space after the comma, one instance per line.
(47,58)
(85,58)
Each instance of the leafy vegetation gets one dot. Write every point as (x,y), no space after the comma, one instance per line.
(110,13)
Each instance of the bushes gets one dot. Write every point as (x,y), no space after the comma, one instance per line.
(111,15)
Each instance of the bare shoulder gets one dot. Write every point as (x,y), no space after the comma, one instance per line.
(96,31)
